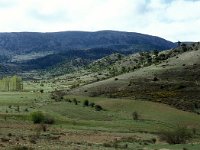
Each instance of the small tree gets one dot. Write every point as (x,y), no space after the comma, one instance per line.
(37,117)
(135,115)
(177,136)
(86,103)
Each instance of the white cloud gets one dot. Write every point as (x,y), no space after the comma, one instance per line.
(171,19)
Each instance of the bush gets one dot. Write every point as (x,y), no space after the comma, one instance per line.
(177,136)
(26,109)
(75,101)
(116,79)
(154,140)
(37,117)
(92,104)
(155,79)
(107,145)
(98,108)
(49,120)
(86,103)
(135,115)
(57,96)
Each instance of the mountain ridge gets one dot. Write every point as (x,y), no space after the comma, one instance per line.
(35,50)
(23,42)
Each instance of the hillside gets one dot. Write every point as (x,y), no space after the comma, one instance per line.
(174,80)
(53,64)
(27,51)
(26,42)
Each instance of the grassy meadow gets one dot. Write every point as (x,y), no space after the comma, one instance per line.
(82,127)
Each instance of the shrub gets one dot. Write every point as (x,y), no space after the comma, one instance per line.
(49,120)
(57,96)
(37,117)
(135,115)
(98,108)
(75,101)
(177,136)
(155,79)
(86,103)
(5,139)
(181,87)
(116,79)
(107,145)
(154,140)
(92,104)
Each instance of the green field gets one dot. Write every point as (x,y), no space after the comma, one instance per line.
(82,127)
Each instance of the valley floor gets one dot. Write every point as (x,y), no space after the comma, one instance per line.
(78,126)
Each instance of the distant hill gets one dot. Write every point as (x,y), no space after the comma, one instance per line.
(26,42)
(25,51)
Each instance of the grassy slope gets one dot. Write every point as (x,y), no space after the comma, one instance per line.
(178,81)
(174,63)
(149,111)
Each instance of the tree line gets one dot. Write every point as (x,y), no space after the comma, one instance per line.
(14,83)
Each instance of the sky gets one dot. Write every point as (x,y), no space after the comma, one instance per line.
(174,20)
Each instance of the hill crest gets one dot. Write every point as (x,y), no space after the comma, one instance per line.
(26,42)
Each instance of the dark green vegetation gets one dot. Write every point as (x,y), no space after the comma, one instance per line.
(179,135)
(146,100)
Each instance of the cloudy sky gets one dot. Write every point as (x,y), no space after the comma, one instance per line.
(171,19)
